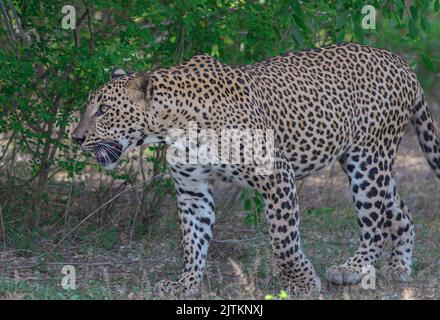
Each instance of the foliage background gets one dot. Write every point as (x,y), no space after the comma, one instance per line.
(47,187)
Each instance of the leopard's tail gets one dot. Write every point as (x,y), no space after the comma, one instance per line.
(427,133)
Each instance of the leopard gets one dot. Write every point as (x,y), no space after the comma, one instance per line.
(344,103)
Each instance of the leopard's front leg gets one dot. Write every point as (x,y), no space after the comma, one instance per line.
(282,212)
(196,217)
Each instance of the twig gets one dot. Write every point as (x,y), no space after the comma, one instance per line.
(237,240)
(17,19)
(77,30)
(227,208)
(138,205)
(66,213)
(3,228)
(141,161)
(90,27)
(7,147)
(180,50)
(7,21)
(86,264)
(107,281)
(76,264)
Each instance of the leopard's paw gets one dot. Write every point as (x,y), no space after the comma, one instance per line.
(397,274)
(166,289)
(342,275)
(304,288)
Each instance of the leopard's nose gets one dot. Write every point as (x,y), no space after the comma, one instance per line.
(79,140)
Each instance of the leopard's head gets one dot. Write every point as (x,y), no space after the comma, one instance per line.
(116,118)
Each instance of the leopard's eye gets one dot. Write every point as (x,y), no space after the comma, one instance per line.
(101,110)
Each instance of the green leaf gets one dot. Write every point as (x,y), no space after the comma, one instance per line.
(283,295)
(247,205)
(412,29)
(359,33)
(298,36)
(397,19)
(319,211)
(424,7)
(425,24)
(299,22)
(251,219)
(414,12)
(427,62)
(258,201)
(340,36)
(437,5)
(341,19)
(297,8)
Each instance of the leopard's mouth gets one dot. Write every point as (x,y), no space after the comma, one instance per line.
(107,153)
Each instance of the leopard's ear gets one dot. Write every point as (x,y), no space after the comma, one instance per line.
(116,73)
(141,85)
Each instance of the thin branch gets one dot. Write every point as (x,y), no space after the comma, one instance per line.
(77,30)
(90,27)
(93,263)
(7,146)
(3,228)
(7,21)
(66,213)
(17,20)
(237,240)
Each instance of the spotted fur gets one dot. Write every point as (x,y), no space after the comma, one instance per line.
(347,102)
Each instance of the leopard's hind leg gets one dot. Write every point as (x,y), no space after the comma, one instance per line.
(369,175)
(399,222)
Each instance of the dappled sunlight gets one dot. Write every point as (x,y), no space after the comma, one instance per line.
(408,294)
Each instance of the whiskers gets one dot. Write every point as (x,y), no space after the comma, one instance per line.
(107,153)
(101,156)
(116,152)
